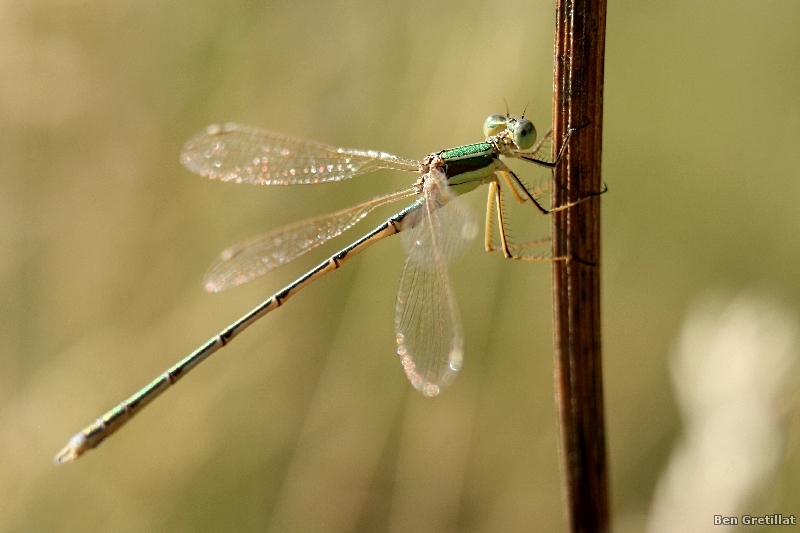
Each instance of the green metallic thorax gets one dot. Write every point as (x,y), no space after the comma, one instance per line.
(469,166)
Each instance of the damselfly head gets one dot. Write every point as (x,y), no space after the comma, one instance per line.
(521,130)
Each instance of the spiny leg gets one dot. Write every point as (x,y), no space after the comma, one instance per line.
(506,172)
(551,164)
(489,215)
(512,178)
(580,200)
(509,175)
(507,248)
(538,146)
(495,203)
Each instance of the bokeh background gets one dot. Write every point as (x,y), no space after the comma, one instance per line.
(306,422)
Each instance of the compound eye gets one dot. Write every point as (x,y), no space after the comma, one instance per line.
(494,125)
(524,134)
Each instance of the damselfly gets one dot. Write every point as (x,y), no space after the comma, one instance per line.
(430,340)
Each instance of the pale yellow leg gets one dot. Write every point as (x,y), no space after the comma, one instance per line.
(495,203)
(489,215)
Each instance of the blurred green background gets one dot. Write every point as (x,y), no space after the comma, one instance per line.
(307,423)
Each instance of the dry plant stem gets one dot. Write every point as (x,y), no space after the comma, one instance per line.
(578,96)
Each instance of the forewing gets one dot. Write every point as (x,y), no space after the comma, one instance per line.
(255,257)
(430,341)
(243,154)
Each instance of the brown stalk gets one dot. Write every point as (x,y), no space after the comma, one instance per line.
(578,96)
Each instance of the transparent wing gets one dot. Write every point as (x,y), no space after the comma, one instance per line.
(454,221)
(430,341)
(230,152)
(255,257)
